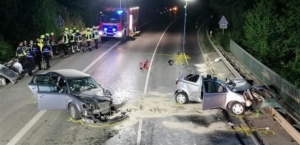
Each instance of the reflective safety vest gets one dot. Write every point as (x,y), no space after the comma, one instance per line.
(29,54)
(46,50)
(36,50)
(78,37)
(89,36)
(65,38)
(20,51)
(72,38)
(41,45)
(96,34)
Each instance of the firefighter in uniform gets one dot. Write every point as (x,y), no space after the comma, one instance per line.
(38,55)
(72,40)
(21,53)
(30,61)
(41,42)
(89,36)
(95,36)
(65,40)
(47,54)
(79,40)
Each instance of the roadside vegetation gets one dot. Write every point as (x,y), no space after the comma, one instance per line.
(27,20)
(268,29)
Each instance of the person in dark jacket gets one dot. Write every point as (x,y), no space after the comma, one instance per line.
(38,55)
(47,55)
(29,61)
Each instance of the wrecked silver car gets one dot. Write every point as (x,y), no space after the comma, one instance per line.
(212,92)
(73,90)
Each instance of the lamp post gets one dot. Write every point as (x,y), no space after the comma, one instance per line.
(183,45)
(120,5)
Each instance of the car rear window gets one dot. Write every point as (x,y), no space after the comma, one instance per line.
(192,78)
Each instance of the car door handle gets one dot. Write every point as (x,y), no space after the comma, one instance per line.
(41,96)
(33,87)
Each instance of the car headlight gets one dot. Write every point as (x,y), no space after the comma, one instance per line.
(119,33)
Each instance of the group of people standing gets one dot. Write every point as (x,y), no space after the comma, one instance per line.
(72,39)
(45,47)
(32,54)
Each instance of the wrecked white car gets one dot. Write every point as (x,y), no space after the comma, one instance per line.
(213,93)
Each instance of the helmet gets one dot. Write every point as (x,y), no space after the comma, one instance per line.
(71,30)
(52,33)
(66,29)
(88,29)
(42,36)
(74,28)
(77,31)
(47,34)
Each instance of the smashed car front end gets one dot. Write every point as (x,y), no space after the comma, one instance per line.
(97,105)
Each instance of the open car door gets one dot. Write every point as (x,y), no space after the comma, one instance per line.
(214,95)
(33,83)
(50,96)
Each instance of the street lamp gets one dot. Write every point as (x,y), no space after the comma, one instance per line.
(184,27)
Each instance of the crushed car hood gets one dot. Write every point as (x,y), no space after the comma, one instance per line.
(241,84)
(96,94)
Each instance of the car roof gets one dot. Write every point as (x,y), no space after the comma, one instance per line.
(70,73)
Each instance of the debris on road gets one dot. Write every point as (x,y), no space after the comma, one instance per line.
(155,105)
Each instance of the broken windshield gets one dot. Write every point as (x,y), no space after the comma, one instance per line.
(77,85)
(110,17)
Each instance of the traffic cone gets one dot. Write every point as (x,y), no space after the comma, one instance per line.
(141,65)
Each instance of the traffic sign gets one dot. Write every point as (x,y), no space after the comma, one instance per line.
(223,23)
(60,22)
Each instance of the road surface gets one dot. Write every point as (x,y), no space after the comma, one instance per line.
(155,118)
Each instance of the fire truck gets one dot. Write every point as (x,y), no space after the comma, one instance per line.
(119,23)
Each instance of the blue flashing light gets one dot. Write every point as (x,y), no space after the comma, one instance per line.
(114,29)
(105,29)
(119,12)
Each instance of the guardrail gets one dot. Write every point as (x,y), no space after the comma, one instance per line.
(273,112)
(289,93)
(236,74)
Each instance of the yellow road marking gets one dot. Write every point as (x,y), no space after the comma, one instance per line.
(95,126)
(247,130)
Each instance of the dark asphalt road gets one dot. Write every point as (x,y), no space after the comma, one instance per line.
(119,72)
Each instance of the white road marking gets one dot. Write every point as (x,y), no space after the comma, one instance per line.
(96,60)
(139,135)
(30,124)
(148,74)
(22,132)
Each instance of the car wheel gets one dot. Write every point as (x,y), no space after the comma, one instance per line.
(74,111)
(181,98)
(237,108)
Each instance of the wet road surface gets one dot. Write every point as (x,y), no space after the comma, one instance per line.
(157,119)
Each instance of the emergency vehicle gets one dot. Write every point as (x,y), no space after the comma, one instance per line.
(119,23)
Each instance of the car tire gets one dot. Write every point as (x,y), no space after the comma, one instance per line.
(237,108)
(74,112)
(181,98)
